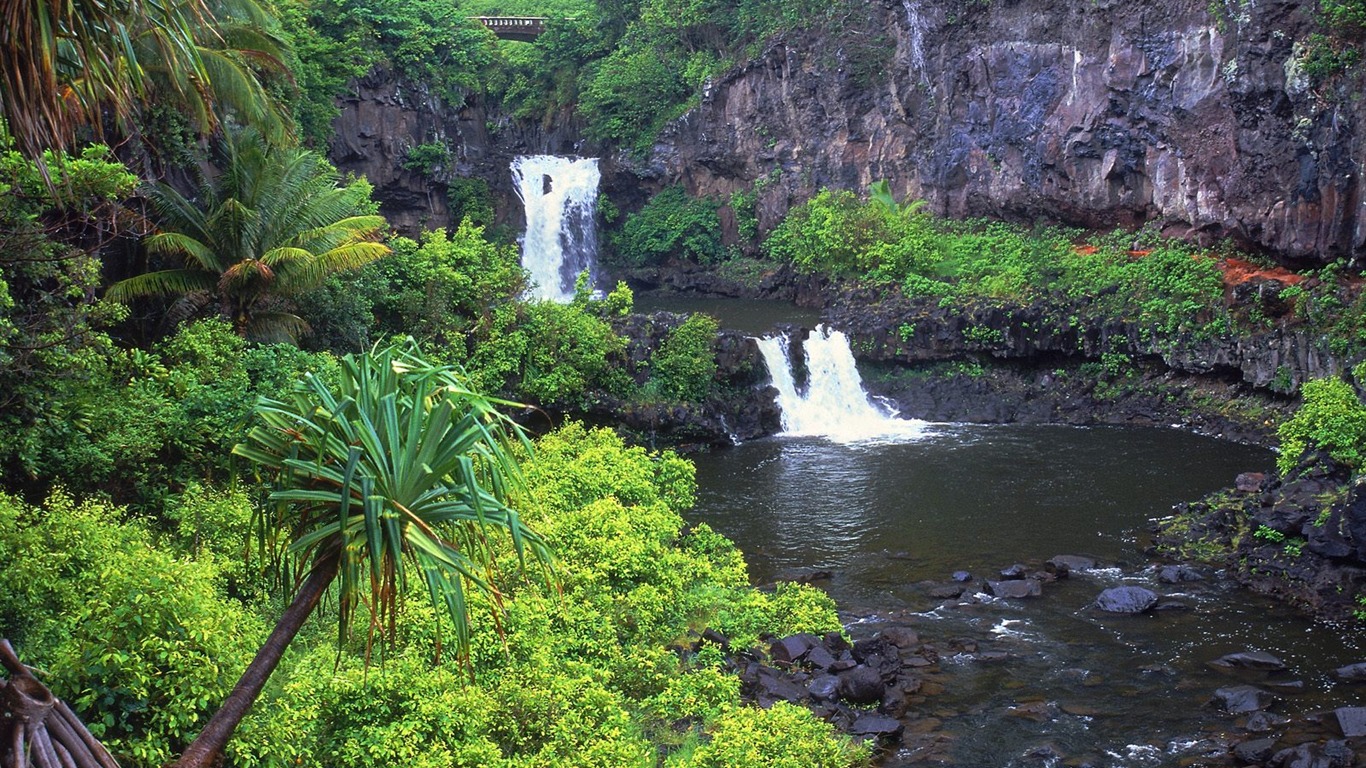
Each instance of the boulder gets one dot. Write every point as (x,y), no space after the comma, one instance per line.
(861,685)
(823,687)
(820,658)
(878,727)
(1259,660)
(1016,571)
(1015,588)
(1249,482)
(1242,699)
(1262,722)
(1176,574)
(1352,720)
(1126,600)
(1332,754)
(1255,751)
(1352,673)
(1062,565)
(962,577)
(793,647)
(901,637)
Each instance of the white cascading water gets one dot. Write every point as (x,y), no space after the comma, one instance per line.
(918,27)
(560,195)
(834,404)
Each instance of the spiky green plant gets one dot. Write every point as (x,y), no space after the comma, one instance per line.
(401,472)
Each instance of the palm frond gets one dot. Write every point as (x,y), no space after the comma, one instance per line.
(167,282)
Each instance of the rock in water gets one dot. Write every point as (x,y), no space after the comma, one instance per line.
(1016,588)
(1126,600)
(1352,720)
(1260,660)
(1352,673)
(1062,565)
(1241,699)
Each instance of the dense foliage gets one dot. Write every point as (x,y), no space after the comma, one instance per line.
(672,225)
(601,673)
(1164,286)
(1331,418)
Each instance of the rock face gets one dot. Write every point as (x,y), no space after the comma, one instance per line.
(1095,113)
(384,117)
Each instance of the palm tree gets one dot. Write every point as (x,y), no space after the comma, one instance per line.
(401,467)
(64,64)
(275,223)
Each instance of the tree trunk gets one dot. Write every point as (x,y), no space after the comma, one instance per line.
(207,748)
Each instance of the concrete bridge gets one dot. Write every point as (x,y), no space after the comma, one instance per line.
(524,28)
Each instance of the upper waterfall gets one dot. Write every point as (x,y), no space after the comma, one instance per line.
(834,403)
(560,195)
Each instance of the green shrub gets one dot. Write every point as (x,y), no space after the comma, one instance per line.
(1331,418)
(672,225)
(684,366)
(144,645)
(839,234)
(782,736)
(588,677)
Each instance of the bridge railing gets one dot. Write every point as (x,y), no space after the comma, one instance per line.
(514,27)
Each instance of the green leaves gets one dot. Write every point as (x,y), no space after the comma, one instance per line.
(400,466)
(1332,418)
(274,224)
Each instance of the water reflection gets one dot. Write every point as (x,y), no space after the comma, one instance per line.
(1097,689)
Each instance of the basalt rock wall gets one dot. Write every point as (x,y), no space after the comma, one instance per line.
(385,116)
(1194,116)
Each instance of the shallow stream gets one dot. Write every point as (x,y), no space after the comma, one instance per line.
(1059,683)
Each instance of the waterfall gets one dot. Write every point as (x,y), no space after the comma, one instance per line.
(561,241)
(834,403)
(917,26)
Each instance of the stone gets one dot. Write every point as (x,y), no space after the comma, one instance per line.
(819,658)
(1259,660)
(947,591)
(1037,711)
(1016,588)
(1352,721)
(1126,600)
(792,647)
(861,685)
(1255,751)
(1332,754)
(962,577)
(1261,722)
(901,637)
(823,687)
(1176,574)
(1292,687)
(773,686)
(1352,673)
(1241,699)
(1249,482)
(1016,571)
(1062,565)
(880,727)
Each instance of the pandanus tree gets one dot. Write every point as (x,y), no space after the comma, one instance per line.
(400,472)
(275,222)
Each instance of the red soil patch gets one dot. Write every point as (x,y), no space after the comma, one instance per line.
(1237,271)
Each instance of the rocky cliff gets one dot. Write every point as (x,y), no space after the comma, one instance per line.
(1186,113)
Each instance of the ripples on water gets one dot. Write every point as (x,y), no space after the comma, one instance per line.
(1120,691)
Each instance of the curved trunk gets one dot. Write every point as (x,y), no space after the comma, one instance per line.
(207,748)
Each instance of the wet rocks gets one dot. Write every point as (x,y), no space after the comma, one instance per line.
(1063,565)
(1255,751)
(1352,673)
(863,687)
(1127,600)
(1255,660)
(1017,589)
(1352,721)
(1242,699)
